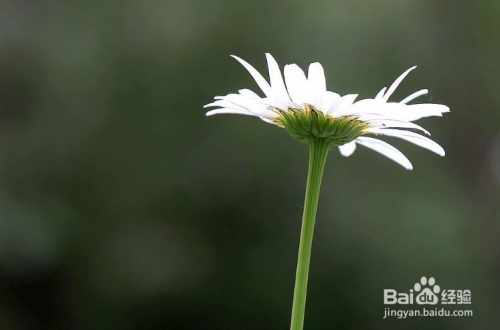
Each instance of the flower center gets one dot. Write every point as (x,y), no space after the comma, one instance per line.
(307,122)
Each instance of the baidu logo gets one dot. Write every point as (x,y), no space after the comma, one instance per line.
(427,292)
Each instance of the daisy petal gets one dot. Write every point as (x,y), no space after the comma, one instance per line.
(240,102)
(277,83)
(316,83)
(263,84)
(386,150)
(380,94)
(248,93)
(296,83)
(224,104)
(328,99)
(347,149)
(413,96)
(281,104)
(269,121)
(417,111)
(392,123)
(412,137)
(398,111)
(229,111)
(316,78)
(342,106)
(396,83)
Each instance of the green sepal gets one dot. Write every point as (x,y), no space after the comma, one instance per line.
(309,122)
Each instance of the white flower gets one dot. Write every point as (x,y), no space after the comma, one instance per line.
(307,110)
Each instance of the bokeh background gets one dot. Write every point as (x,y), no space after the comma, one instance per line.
(123,207)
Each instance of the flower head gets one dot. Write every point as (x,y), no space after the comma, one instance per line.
(307,110)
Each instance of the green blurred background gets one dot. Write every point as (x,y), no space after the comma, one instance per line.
(123,207)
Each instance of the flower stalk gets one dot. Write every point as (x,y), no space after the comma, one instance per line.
(318,151)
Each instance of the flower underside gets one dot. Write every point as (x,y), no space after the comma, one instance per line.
(307,122)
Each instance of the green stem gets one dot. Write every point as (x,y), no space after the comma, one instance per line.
(318,150)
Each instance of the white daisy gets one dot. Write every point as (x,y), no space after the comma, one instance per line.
(307,110)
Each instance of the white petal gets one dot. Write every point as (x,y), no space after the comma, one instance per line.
(380,94)
(435,107)
(316,83)
(269,121)
(277,83)
(316,78)
(328,99)
(241,102)
(412,137)
(229,111)
(386,150)
(347,149)
(413,96)
(248,93)
(417,111)
(281,104)
(296,84)
(369,106)
(391,123)
(263,84)
(224,104)
(398,111)
(343,105)
(396,83)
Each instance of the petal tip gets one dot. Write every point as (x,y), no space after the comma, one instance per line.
(269,58)
(237,58)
